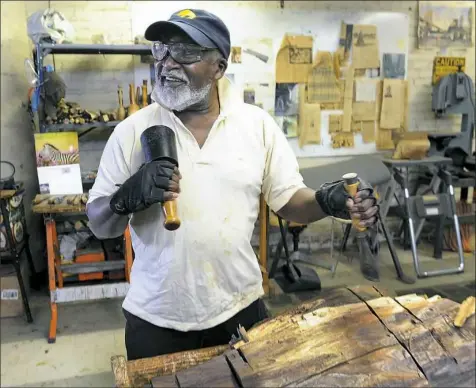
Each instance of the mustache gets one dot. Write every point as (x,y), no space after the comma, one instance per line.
(176,75)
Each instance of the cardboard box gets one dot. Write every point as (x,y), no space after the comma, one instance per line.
(11,303)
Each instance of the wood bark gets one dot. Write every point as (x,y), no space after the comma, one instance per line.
(357,336)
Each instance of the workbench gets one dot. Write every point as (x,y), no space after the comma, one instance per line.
(356,336)
(59,208)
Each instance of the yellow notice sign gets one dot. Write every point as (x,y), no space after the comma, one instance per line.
(446,65)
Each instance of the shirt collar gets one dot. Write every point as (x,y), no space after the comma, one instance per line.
(229,96)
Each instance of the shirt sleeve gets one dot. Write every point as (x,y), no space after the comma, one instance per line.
(281,176)
(113,168)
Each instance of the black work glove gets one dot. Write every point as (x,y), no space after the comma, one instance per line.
(146,187)
(333,199)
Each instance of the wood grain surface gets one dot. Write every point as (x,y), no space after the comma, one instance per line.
(356,336)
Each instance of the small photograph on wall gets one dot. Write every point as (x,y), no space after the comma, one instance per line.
(57,162)
(235,54)
(249,96)
(261,94)
(444,25)
(288,124)
(394,66)
(286,100)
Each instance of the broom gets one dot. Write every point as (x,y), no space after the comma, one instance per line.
(463,208)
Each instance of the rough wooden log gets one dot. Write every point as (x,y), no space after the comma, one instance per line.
(351,337)
(119,368)
(143,370)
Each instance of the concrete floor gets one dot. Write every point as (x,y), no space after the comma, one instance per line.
(90,333)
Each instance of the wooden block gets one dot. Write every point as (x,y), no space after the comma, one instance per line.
(365,292)
(238,366)
(141,371)
(292,355)
(46,203)
(466,310)
(372,370)
(168,381)
(416,149)
(213,373)
(344,337)
(433,343)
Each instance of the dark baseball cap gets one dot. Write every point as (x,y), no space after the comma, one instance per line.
(203,27)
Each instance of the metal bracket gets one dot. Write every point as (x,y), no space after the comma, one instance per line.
(242,336)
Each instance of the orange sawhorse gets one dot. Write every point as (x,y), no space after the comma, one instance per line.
(61,294)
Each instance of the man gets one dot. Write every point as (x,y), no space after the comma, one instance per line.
(191,287)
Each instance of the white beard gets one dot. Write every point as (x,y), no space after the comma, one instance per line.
(179,98)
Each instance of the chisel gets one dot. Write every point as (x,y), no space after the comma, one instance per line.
(368,262)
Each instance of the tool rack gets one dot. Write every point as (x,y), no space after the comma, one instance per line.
(59,293)
(43,49)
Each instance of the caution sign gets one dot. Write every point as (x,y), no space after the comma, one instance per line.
(446,65)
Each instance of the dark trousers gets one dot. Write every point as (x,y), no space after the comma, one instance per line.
(144,339)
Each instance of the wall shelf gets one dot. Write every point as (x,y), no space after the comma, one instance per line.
(82,129)
(43,49)
(76,48)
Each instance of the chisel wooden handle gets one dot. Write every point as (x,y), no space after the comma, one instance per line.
(172,220)
(351,184)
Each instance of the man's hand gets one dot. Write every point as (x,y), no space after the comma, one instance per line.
(363,207)
(336,202)
(155,182)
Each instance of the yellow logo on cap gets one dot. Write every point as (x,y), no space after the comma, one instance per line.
(187,14)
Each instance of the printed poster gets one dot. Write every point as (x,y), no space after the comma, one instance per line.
(57,162)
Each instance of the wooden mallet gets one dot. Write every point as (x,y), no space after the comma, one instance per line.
(158,143)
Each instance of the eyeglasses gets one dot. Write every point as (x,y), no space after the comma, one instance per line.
(183,53)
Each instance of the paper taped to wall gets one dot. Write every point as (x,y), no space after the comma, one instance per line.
(365,90)
(294,59)
(365,53)
(368,131)
(342,140)
(364,111)
(322,84)
(309,124)
(393,101)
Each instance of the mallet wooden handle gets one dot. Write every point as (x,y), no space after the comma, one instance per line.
(172,220)
(351,186)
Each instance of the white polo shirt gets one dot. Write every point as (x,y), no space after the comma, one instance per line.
(203,273)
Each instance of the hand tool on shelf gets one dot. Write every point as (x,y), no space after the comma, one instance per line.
(158,143)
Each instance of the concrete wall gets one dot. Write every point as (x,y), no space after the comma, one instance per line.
(92,80)
(17,145)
